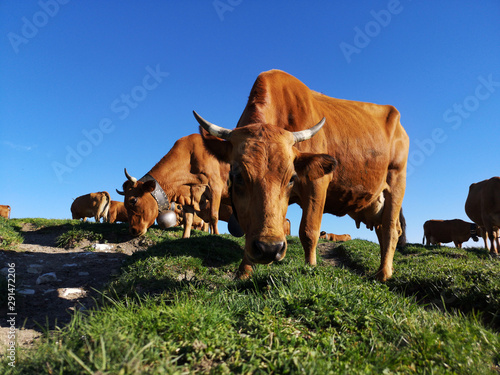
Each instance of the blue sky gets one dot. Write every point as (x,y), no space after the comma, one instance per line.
(90,87)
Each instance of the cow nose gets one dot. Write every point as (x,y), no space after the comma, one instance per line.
(267,252)
(134,232)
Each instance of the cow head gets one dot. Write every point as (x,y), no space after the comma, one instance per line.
(265,168)
(142,208)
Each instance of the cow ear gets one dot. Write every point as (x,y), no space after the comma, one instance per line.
(220,148)
(314,166)
(149,186)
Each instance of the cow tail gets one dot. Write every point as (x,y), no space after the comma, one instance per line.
(402,222)
(105,208)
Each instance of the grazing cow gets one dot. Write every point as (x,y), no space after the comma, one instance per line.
(94,205)
(188,175)
(334,237)
(355,165)
(117,212)
(287,227)
(5,211)
(483,208)
(456,231)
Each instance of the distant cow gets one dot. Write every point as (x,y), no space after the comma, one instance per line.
(456,231)
(5,211)
(483,208)
(94,205)
(117,212)
(334,237)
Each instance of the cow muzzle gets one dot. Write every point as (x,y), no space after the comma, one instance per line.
(267,252)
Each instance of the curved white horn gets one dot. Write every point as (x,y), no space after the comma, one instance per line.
(130,178)
(304,135)
(213,129)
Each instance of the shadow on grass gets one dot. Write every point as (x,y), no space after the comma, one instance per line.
(214,251)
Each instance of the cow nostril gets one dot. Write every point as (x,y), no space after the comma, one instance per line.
(258,249)
(268,252)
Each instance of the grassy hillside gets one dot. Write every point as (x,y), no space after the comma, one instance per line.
(176,308)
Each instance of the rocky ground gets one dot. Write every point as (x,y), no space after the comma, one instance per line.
(52,282)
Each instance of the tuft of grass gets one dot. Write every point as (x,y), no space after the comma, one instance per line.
(9,235)
(75,236)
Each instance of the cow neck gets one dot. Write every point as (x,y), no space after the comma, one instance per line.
(158,193)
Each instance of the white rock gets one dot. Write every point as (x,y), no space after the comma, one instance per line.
(102,246)
(46,278)
(71,293)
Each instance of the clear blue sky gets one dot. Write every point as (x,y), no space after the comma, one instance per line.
(90,87)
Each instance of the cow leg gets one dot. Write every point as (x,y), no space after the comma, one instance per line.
(188,220)
(214,213)
(245,269)
(494,242)
(310,224)
(391,228)
(485,238)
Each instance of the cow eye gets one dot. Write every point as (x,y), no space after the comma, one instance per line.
(292,180)
(133,201)
(237,179)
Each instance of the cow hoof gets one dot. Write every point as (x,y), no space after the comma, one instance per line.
(383,276)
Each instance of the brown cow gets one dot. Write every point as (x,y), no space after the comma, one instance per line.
(189,175)
(94,205)
(456,231)
(483,208)
(355,164)
(117,212)
(5,211)
(334,237)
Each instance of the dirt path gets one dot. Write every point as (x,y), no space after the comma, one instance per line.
(52,282)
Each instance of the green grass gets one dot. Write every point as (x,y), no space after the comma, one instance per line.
(467,280)
(176,308)
(9,236)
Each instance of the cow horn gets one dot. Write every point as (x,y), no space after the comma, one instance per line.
(213,129)
(120,192)
(130,178)
(304,135)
